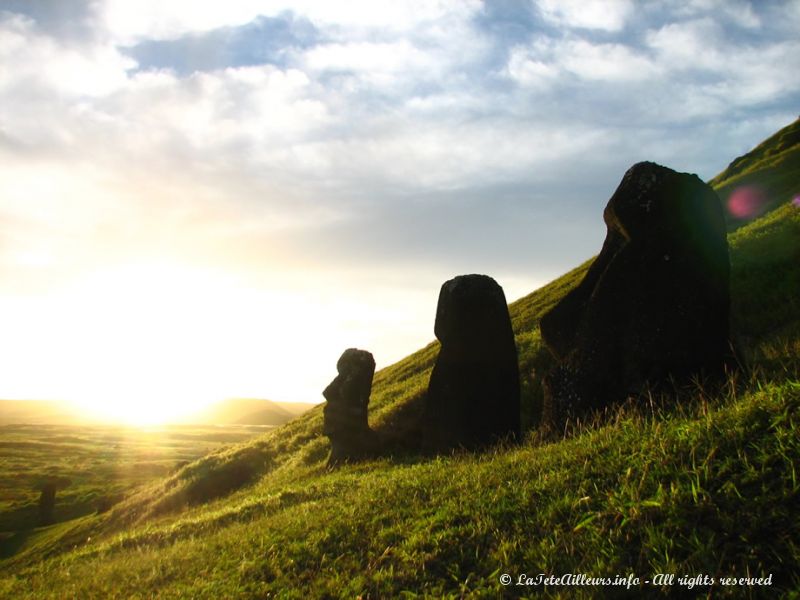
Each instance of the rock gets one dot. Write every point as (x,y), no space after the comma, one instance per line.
(473,396)
(653,305)
(345,414)
(47,503)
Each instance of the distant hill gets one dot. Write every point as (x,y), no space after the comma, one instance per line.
(38,412)
(296,408)
(247,411)
(234,411)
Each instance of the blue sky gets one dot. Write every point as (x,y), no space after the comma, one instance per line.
(335,163)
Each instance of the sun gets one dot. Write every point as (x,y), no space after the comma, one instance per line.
(151,342)
(142,343)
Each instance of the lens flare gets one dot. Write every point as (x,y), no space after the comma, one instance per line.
(747,202)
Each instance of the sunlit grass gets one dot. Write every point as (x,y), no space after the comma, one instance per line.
(94,466)
(659,489)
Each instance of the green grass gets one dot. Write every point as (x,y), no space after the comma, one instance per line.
(657,490)
(94,466)
(700,481)
(765,277)
(771,166)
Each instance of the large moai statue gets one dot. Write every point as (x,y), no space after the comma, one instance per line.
(345,413)
(473,396)
(653,305)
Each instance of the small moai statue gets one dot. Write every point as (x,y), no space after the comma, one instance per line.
(345,413)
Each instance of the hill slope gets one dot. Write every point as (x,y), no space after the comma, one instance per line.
(659,488)
(762,179)
(241,411)
(39,411)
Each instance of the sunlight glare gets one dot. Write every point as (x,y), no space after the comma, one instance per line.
(747,202)
(142,343)
(152,342)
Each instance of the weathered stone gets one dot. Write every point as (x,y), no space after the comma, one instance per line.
(473,394)
(47,503)
(345,414)
(655,302)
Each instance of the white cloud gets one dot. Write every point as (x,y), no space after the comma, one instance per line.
(400,15)
(31,58)
(526,68)
(697,44)
(685,70)
(607,15)
(739,12)
(606,62)
(210,111)
(129,21)
(368,57)
(718,73)
(542,62)
(425,156)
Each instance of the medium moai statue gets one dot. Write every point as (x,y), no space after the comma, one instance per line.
(473,395)
(345,413)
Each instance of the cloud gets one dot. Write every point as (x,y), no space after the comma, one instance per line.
(676,72)
(692,45)
(207,113)
(377,59)
(415,99)
(721,73)
(66,69)
(607,62)
(262,41)
(365,151)
(129,22)
(738,12)
(170,19)
(541,63)
(69,19)
(528,67)
(606,15)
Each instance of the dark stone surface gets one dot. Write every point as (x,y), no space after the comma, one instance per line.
(345,413)
(473,396)
(655,302)
(47,503)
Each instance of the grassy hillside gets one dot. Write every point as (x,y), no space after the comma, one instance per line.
(93,467)
(770,168)
(701,482)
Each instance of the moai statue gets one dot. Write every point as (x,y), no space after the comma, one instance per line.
(474,392)
(654,305)
(345,413)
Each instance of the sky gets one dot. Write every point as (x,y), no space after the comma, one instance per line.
(205,200)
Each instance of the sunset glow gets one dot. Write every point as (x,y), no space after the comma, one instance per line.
(202,202)
(150,342)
